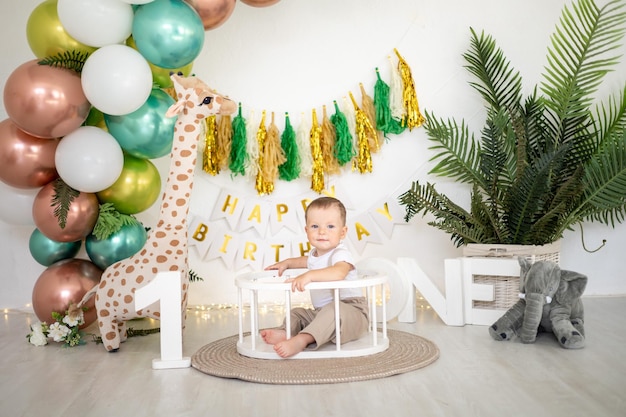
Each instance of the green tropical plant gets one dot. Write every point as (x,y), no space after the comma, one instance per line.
(544,163)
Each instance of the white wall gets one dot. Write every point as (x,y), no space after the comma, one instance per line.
(298,55)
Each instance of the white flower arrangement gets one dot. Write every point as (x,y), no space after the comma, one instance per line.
(66,329)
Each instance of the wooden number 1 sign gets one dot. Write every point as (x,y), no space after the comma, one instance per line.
(165,288)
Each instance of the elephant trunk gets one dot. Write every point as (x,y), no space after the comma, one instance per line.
(532,317)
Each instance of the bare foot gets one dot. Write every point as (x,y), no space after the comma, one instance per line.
(273,336)
(294,345)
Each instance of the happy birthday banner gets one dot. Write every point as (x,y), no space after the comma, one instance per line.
(242,230)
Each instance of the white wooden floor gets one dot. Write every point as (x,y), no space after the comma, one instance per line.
(474,376)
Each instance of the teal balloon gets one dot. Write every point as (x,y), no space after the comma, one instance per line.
(145,133)
(47,251)
(168,33)
(119,245)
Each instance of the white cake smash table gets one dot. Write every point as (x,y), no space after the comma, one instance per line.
(252,345)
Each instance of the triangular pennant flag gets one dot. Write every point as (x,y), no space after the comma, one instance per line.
(387,213)
(362,230)
(256,215)
(228,206)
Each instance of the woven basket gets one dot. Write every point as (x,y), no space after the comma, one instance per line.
(507,288)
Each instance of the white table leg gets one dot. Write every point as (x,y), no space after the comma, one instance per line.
(337,320)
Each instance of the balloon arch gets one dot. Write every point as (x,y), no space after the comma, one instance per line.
(93,128)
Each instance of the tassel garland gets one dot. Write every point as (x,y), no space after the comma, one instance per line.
(290,169)
(238,153)
(413,117)
(209,156)
(344,151)
(364,132)
(315,137)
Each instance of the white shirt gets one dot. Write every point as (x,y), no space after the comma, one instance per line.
(320,298)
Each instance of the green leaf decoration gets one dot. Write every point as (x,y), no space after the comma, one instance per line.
(193,276)
(110,221)
(73,60)
(61,200)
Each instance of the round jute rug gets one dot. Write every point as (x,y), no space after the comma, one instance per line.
(406,352)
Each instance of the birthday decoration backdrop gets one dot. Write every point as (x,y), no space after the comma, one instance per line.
(78,162)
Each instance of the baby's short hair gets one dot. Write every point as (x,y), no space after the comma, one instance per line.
(327,202)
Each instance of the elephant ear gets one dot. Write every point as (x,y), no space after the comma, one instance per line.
(571,287)
(525,265)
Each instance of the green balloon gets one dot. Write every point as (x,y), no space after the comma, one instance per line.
(119,245)
(145,133)
(47,251)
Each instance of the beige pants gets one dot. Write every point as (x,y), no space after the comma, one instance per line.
(320,322)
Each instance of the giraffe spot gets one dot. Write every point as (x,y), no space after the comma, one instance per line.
(103,313)
(110,292)
(139,279)
(174,242)
(110,336)
(185,153)
(102,284)
(181,202)
(130,269)
(160,234)
(146,260)
(123,282)
(157,314)
(161,259)
(189,128)
(128,299)
(116,304)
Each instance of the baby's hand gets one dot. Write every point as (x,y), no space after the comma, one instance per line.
(280,267)
(299,282)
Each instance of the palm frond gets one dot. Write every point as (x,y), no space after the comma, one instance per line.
(457,152)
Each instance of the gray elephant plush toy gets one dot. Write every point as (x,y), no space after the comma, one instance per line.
(549,301)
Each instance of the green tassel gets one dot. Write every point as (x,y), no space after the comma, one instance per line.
(384,121)
(344,151)
(238,153)
(290,169)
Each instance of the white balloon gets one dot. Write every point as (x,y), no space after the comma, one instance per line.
(16,205)
(116,79)
(89,159)
(96,22)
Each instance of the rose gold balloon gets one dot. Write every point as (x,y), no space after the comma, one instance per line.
(81,216)
(64,282)
(25,161)
(213,12)
(260,3)
(45,101)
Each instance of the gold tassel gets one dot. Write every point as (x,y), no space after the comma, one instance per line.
(315,136)
(328,140)
(364,131)
(261,135)
(367,104)
(413,117)
(209,156)
(224,141)
(273,156)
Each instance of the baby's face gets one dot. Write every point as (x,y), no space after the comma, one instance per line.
(324,229)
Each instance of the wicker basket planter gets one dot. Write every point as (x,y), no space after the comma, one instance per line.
(507,288)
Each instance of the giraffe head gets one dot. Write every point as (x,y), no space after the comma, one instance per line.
(197,97)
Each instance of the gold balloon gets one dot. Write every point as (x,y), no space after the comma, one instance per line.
(213,12)
(46,35)
(62,283)
(81,216)
(136,189)
(25,161)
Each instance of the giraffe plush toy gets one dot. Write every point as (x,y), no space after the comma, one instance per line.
(166,247)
